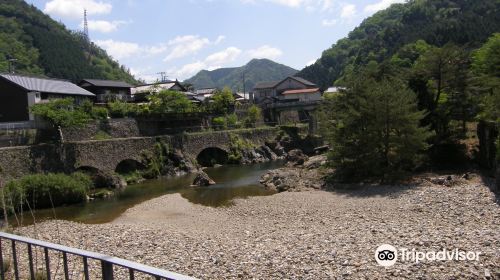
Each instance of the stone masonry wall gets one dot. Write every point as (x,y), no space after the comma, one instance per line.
(107,154)
(115,128)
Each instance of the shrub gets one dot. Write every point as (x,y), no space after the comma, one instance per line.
(168,101)
(219,123)
(62,112)
(254,115)
(99,113)
(101,135)
(120,109)
(232,120)
(46,190)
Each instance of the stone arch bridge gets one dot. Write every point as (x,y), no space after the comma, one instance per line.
(106,155)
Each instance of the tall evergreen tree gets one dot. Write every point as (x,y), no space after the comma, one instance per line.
(376,130)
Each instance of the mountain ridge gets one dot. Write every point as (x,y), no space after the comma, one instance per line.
(377,38)
(44,47)
(256,70)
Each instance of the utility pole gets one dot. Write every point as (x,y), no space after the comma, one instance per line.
(244,89)
(163,76)
(11,65)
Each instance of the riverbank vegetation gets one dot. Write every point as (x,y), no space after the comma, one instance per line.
(44,191)
(411,110)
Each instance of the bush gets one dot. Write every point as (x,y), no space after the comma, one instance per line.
(254,115)
(46,190)
(219,123)
(120,109)
(99,113)
(62,112)
(168,101)
(232,121)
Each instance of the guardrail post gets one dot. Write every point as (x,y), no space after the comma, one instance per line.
(2,273)
(14,257)
(30,260)
(107,270)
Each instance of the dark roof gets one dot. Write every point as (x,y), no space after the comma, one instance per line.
(46,85)
(106,83)
(304,81)
(264,85)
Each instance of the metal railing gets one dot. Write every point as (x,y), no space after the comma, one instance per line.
(107,263)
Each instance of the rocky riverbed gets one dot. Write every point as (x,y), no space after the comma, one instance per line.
(303,235)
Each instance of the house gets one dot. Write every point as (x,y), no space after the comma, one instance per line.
(106,90)
(18,93)
(334,90)
(264,90)
(140,93)
(287,90)
(204,94)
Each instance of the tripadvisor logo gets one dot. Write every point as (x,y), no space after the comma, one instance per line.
(387,255)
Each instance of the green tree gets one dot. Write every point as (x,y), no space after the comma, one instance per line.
(254,115)
(486,71)
(62,112)
(222,101)
(376,130)
(168,101)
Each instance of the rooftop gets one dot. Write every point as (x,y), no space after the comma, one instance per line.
(107,83)
(265,85)
(38,84)
(300,91)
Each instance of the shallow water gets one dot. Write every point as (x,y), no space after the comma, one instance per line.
(233,181)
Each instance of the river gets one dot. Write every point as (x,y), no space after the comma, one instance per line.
(233,181)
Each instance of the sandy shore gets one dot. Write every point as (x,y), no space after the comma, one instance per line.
(302,235)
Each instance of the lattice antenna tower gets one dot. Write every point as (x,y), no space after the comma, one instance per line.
(85,26)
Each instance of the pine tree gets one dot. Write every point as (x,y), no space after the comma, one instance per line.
(376,131)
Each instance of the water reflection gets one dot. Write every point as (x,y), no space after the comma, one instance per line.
(232,182)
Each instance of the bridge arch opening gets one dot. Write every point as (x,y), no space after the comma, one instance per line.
(211,156)
(129,166)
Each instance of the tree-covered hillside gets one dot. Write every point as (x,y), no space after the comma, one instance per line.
(437,22)
(43,46)
(257,70)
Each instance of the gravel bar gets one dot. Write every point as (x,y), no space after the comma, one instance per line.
(302,235)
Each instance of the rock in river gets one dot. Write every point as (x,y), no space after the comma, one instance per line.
(202,180)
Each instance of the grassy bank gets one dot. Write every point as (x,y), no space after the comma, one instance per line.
(44,191)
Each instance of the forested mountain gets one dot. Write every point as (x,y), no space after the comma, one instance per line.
(257,70)
(437,22)
(43,46)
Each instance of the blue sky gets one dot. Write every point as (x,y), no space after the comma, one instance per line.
(182,37)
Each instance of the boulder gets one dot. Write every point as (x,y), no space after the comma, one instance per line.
(296,157)
(267,152)
(202,180)
(315,162)
(103,179)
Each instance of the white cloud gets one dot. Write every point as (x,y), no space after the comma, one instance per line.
(189,70)
(265,52)
(372,8)
(103,25)
(228,55)
(219,39)
(348,11)
(329,22)
(185,45)
(311,62)
(74,8)
(118,49)
(289,3)
(211,62)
